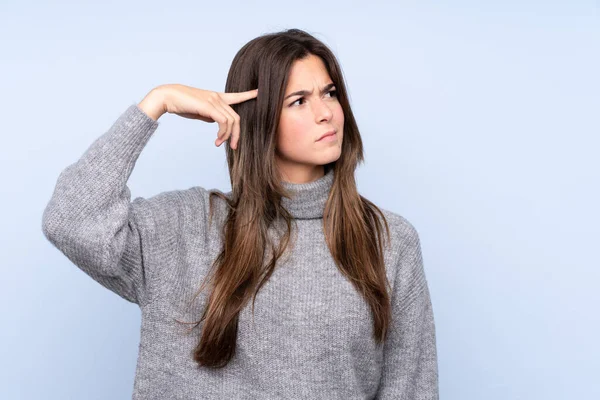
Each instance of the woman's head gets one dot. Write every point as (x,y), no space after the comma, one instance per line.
(279,134)
(310,110)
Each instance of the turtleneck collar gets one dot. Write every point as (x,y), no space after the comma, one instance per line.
(308,200)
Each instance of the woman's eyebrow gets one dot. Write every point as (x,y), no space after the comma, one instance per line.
(305,92)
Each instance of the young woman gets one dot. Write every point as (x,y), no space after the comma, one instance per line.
(340,303)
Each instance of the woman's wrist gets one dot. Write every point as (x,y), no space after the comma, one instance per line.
(154,103)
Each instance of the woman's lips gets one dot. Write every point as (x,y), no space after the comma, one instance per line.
(328,136)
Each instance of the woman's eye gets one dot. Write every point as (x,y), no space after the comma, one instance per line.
(332,92)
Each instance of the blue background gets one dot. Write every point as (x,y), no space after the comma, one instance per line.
(480,122)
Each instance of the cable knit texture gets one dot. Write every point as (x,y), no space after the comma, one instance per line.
(311,336)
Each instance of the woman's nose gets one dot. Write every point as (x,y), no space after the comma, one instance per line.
(323,110)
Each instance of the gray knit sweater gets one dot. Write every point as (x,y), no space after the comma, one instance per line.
(312,333)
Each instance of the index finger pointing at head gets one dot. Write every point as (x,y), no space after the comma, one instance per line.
(239,97)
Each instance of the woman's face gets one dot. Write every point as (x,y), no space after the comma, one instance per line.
(304,119)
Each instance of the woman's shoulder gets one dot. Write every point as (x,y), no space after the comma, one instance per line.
(405,253)
(401,228)
(172,204)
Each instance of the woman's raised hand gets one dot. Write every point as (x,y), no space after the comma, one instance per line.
(205,105)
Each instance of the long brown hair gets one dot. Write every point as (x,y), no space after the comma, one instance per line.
(352,230)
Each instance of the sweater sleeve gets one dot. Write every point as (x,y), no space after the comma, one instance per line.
(90,217)
(410,370)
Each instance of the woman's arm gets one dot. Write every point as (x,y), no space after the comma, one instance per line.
(410,356)
(90,217)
